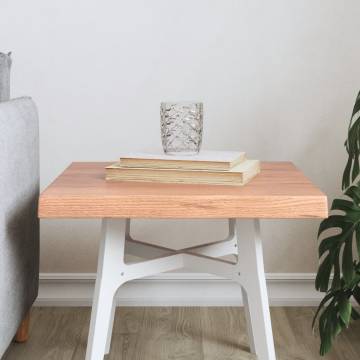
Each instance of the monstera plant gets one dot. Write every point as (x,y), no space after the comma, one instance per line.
(339,248)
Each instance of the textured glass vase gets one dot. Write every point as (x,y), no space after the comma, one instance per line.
(181,127)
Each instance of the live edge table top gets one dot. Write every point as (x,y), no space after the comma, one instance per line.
(280,191)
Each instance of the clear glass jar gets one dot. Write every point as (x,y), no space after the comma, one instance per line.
(181,127)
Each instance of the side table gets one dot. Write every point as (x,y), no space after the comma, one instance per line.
(280,191)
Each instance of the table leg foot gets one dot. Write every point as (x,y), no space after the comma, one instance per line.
(111,326)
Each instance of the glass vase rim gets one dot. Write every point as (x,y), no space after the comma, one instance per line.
(186,102)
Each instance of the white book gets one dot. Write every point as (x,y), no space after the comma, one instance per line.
(204,160)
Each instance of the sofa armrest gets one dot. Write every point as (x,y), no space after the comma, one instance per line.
(19,225)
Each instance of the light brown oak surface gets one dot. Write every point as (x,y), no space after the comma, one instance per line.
(178,333)
(279,191)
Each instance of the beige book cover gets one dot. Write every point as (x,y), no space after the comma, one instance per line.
(238,175)
(205,160)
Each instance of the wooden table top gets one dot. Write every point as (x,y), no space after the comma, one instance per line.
(280,191)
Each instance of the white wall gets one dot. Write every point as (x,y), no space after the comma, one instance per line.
(278,79)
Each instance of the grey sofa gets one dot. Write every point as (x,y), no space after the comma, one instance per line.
(19,225)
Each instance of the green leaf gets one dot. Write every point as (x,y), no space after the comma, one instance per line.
(325,346)
(334,242)
(352,140)
(356,278)
(336,325)
(357,235)
(356,294)
(354,193)
(356,107)
(336,283)
(333,221)
(343,205)
(326,298)
(325,330)
(346,174)
(355,170)
(323,275)
(338,328)
(345,310)
(347,264)
(352,147)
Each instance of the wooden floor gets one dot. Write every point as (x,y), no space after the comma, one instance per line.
(177,334)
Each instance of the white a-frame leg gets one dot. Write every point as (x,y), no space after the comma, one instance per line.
(243,241)
(252,279)
(111,274)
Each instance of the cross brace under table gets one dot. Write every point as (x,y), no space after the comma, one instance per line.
(247,269)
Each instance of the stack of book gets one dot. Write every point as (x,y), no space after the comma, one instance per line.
(207,167)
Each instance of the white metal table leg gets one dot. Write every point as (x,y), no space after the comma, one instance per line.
(248,320)
(108,280)
(252,279)
(111,326)
(113,309)
(112,273)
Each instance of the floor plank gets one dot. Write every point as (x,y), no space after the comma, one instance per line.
(176,333)
(54,334)
(224,333)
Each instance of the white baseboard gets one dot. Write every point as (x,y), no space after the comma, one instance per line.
(175,289)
